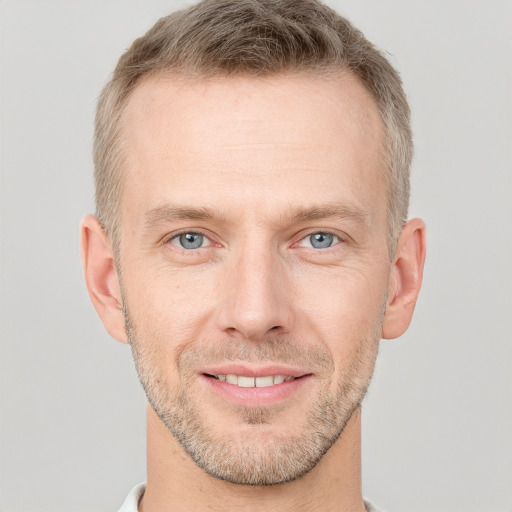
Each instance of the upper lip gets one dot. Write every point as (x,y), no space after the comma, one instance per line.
(254,371)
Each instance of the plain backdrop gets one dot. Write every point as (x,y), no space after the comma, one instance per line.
(437,423)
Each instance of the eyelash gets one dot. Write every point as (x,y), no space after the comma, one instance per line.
(338,239)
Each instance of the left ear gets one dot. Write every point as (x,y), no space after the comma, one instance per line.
(405,279)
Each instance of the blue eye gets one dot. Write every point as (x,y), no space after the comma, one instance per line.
(190,240)
(320,240)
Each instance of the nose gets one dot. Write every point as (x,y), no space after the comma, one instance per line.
(256,296)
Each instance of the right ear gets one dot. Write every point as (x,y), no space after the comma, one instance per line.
(101,277)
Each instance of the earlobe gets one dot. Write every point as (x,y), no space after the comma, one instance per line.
(101,277)
(405,279)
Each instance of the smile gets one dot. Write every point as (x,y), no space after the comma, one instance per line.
(254,385)
(252,382)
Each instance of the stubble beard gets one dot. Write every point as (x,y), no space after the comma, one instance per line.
(246,458)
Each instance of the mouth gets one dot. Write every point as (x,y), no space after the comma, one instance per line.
(245,381)
(255,387)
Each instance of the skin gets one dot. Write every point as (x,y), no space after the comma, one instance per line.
(268,158)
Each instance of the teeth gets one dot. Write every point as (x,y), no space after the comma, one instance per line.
(246,382)
(251,382)
(263,382)
(232,379)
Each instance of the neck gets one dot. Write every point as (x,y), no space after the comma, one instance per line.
(175,482)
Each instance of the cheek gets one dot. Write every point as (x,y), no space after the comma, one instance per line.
(343,308)
(347,319)
(168,304)
(359,291)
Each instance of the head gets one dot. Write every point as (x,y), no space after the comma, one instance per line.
(252,165)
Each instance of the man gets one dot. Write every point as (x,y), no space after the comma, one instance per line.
(251,245)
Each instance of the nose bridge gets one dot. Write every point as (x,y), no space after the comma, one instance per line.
(256,304)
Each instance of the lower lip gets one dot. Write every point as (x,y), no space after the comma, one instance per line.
(253,396)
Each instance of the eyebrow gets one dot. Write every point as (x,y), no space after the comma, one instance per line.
(170,212)
(341,211)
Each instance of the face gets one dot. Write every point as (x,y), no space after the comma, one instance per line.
(254,264)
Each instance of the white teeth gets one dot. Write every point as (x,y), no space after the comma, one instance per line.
(251,382)
(232,379)
(263,382)
(246,382)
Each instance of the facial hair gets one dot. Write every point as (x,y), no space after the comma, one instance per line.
(241,457)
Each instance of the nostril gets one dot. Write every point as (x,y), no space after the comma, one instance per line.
(274,328)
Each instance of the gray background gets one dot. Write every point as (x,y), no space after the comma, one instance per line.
(438,419)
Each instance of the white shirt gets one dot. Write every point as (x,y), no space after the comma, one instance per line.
(131,503)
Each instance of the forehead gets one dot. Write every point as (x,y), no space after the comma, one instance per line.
(244,138)
(322,106)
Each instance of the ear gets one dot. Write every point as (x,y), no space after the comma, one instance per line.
(101,277)
(405,279)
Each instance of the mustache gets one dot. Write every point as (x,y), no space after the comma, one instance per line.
(275,350)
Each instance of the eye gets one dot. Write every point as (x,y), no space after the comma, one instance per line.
(190,240)
(320,240)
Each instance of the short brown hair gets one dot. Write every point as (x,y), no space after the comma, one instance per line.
(252,38)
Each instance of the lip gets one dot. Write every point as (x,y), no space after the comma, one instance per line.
(254,396)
